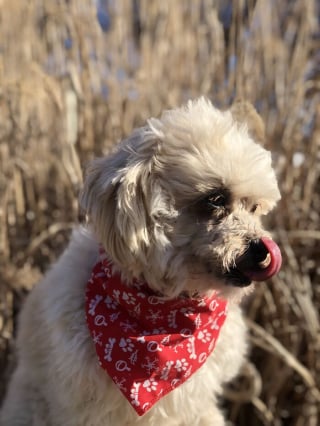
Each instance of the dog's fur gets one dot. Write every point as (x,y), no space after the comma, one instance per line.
(176,203)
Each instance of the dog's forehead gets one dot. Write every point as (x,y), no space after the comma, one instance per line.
(203,148)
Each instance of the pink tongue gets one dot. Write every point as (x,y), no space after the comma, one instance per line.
(275,263)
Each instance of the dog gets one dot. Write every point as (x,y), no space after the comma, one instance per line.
(138,323)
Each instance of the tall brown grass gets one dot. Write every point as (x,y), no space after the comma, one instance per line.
(69,91)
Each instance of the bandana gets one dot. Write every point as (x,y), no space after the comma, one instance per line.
(148,345)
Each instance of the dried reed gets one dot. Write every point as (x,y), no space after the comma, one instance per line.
(69,89)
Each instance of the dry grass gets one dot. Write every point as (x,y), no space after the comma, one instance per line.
(62,102)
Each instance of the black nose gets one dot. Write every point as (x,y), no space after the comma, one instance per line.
(253,256)
(257,251)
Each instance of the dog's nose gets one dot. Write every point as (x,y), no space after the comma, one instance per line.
(261,260)
(255,257)
(258,251)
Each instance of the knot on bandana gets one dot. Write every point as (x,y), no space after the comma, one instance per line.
(148,345)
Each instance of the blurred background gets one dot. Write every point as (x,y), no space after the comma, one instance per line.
(77,75)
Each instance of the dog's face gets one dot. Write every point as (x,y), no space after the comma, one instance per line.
(179,202)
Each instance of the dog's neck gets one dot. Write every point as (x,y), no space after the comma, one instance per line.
(192,289)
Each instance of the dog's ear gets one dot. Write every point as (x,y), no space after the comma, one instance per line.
(244,112)
(113,198)
(125,203)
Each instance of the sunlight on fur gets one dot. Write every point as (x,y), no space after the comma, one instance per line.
(176,208)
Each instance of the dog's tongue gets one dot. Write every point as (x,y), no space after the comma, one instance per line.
(273,265)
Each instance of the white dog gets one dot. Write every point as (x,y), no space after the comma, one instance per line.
(140,324)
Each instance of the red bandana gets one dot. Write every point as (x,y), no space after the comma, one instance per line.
(148,345)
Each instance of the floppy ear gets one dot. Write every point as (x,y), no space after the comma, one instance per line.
(114,198)
(123,202)
(245,113)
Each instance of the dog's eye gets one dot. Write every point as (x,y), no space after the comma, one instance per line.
(254,208)
(216,201)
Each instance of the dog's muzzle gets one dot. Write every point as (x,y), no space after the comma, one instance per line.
(259,262)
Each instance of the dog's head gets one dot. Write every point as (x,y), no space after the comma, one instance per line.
(179,202)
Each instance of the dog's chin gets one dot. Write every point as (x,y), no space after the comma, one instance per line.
(227,286)
(234,277)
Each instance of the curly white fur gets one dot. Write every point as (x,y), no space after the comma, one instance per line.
(144,201)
